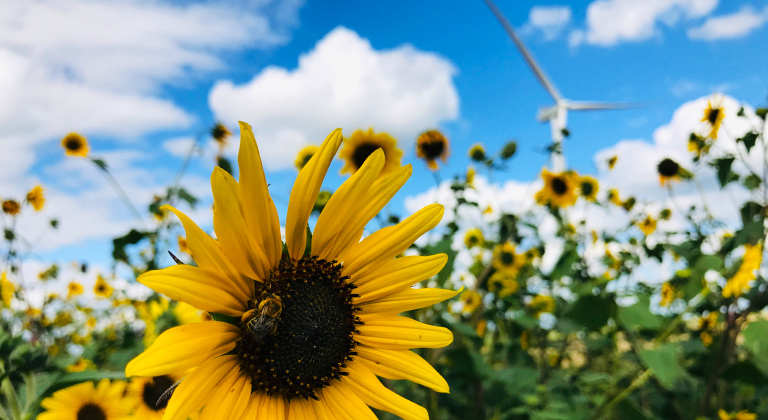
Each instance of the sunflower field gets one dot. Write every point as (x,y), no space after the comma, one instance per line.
(343,309)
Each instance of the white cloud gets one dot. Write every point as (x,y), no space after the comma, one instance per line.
(734,25)
(610,22)
(550,20)
(342,82)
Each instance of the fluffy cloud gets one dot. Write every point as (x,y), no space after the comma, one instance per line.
(734,25)
(550,20)
(610,22)
(343,82)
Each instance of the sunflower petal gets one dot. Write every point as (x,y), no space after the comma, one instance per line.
(304,194)
(235,239)
(402,364)
(406,300)
(377,197)
(258,207)
(400,333)
(201,288)
(387,243)
(373,393)
(207,252)
(301,410)
(196,389)
(272,407)
(344,204)
(253,408)
(320,407)
(396,275)
(230,399)
(343,402)
(184,347)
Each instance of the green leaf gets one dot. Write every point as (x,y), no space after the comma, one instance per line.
(639,316)
(119,244)
(225,164)
(694,283)
(100,163)
(750,233)
(74,378)
(749,140)
(724,173)
(756,341)
(442,247)
(751,211)
(664,365)
(752,182)
(591,311)
(186,196)
(564,265)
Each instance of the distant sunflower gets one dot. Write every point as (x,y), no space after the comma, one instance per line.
(432,145)
(713,116)
(614,197)
(647,225)
(503,284)
(612,162)
(85,401)
(698,145)
(75,145)
(559,189)
(6,289)
(747,273)
(361,144)
(102,289)
(471,176)
(220,134)
(11,207)
(36,198)
(477,152)
(472,300)
(588,188)
(314,323)
(669,171)
(182,242)
(507,260)
(74,289)
(667,294)
(542,304)
(741,415)
(147,391)
(304,155)
(474,237)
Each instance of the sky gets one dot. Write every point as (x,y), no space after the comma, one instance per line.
(141,79)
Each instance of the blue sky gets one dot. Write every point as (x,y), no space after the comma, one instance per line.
(140,78)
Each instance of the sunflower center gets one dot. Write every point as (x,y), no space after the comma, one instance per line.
(433,149)
(712,116)
(586,189)
(559,186)
(314,333)
(73,144)
(668,167)
(91,412)
(155,389)
(362,151)
(507,258)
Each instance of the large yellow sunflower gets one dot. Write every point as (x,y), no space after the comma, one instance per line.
(85,401)
(559,189)
(303,330)
(361,144)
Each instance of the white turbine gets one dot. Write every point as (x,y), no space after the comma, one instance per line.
(557,114)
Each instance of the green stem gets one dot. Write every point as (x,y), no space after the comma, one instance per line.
(119,190)
(606,408)
(11,399)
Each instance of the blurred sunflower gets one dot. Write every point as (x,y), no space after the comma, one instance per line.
(542,304)
(503,284)
(698,145)
(74,289)
(313,333)
(667,294)
(559,189)
(75,145)
(471,176)
(477,152)
(741,415)
(612,162)
(11,207)
(220,134)
(613,197)
(304,155)
(85,401)
(713,116)
(750,263)
(182,242)
(647,225)
(474,237)
(6,289)
(102,289)
(507,260)
(36,198)
(588,188)
(361,144)
(432,145)
(471,300)
(148,392)
(669,171)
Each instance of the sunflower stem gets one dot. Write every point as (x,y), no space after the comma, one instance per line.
(119,190)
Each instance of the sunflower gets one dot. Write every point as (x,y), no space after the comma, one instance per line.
(612,162)
(6,289)
(361,144)
(323,197)
(148,392)
(74,289)
(304,155)
(667,294)
(507,260)
(102,289)
(542,304)
(301,329)
(669,171)
(740,282)
(477,152)
(80,365)
(588,188)
(75,145)
(474,237)
(647,225)
(220,134)
(741,415)
(432,145)
(713,116)
(85,401)
(36,198)
(559,189)
(182,242)
(503,284)
(471,300)
(11,207)
(614,197)
(471,176)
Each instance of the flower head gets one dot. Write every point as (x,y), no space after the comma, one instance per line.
(36,198)
(6,289)
(11,207)
(667,294)
(474,237)
(75,145)
(149,392)
(506,259)
(559,189)
(220,134)
(432,145)
(304,155)
(588,188)
(477,152)
(647,225)
(102,289)
(74,289)
(471,300)
(612,162)
(542,304)
(86,401)
(312,323)
(713,116)
(669,171)
(362,144)
(740,282)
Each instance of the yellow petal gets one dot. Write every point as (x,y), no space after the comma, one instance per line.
(207,252)
(396,275)
(342,401)
(344,204)
(379,195)
(258,207)
(272,408)
(373,393)
(406,300)
(387,243)
(184,347)
(196,389)
(235,239)
(400,333)
(304,193)
(321,408)
(230,399)
(253,408)
(401,364)
(201,288)
(301,410)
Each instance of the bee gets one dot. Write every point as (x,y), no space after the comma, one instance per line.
(262,321)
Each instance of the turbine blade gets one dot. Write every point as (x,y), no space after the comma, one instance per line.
(537,71)
(589,106)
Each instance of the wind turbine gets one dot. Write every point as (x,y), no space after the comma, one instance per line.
(557,114)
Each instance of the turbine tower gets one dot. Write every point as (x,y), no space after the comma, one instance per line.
(557,114)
